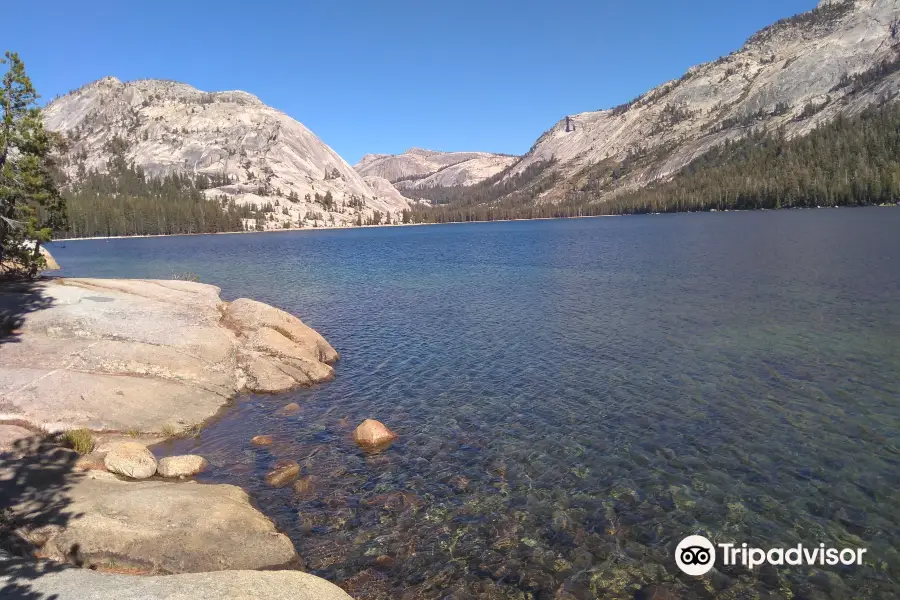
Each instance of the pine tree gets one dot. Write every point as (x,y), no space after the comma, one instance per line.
(30,204)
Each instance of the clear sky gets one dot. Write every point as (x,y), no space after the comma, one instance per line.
(385,75)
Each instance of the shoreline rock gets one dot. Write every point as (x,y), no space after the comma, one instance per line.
(130,459)
(98,520)
(28,579)
(186,465)
(142,355)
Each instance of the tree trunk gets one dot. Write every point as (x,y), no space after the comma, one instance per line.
(35,257)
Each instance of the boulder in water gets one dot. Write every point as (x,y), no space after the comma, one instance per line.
(288,410)
(283,474)
(373,436)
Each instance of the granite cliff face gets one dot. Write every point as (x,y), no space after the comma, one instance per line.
(418,168)
(171,127)
(795,75)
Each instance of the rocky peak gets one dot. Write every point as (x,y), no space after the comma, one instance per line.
(108,80)
(793,75)
(172,127)
(418,167)
(421,151)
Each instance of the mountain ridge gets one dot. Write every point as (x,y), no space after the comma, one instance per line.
(264,155)
(422,168)
(787,75)
(789,78)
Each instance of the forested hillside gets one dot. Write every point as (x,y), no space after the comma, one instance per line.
(792,77)
(852,161)
(124,201)
(248,151)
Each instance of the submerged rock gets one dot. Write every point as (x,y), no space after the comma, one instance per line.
(130,459)
(283,474)
(304,487)
(262,440)
(373,436)
(656,592)
(458,483)
(181,466)
(289,410)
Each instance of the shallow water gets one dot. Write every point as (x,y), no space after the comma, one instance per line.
(573,398)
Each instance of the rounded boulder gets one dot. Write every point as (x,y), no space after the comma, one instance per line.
(181,466)
(130,459)
(373,436)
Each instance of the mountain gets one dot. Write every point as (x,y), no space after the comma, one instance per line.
(787,80)
(417,168)
(387,195)
(255,154)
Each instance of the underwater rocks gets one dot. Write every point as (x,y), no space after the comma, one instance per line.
(262,440)
(458,483)
(373,436)
(289,410)
(304,487)
(283,474)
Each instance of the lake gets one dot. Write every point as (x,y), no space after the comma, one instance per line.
(572,398)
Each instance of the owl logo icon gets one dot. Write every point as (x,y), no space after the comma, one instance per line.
(695,555)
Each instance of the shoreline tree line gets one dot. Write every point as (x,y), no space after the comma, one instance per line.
(850,161)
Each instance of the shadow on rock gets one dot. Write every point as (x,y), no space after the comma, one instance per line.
(34,478)
(17,299)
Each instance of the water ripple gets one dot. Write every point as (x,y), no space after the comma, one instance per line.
(573,398)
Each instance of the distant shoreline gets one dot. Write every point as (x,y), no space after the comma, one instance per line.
(335,228)
(344,227)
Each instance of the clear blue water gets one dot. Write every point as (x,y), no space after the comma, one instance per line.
(572,398)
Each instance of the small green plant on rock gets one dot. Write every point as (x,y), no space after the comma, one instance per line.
(170,431)
(79,440)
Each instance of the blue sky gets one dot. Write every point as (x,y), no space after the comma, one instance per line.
(382,76)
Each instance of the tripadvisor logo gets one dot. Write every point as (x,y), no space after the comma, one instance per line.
(696,555)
